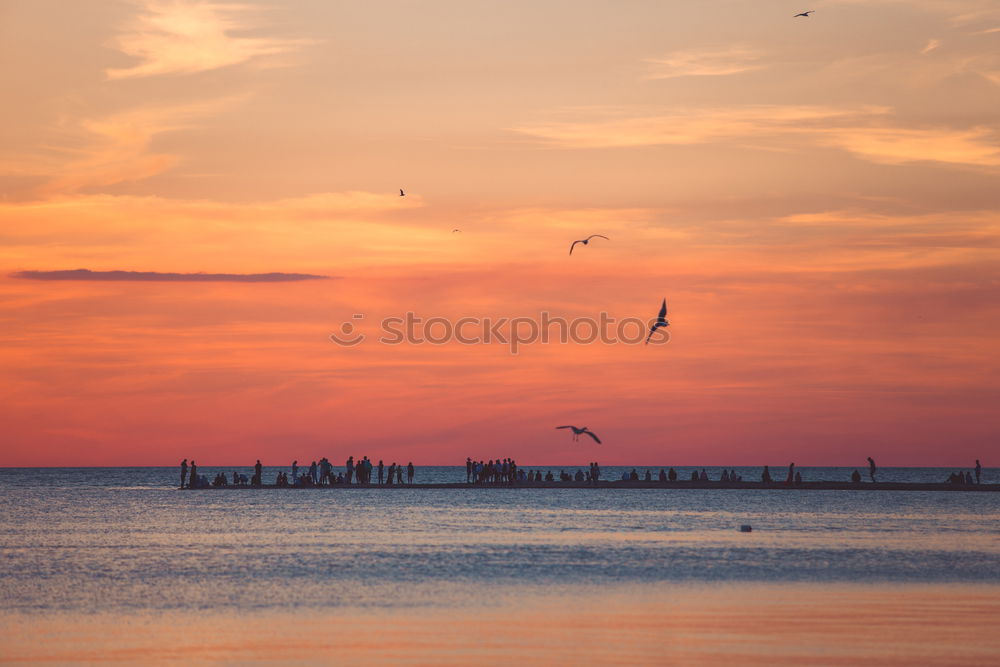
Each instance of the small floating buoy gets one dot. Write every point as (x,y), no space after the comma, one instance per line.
(746,528)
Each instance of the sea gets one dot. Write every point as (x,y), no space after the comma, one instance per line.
(116,565)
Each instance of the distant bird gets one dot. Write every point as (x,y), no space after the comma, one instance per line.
(577,432)
(586,241)
(401,193)
(661,321)
(806,14)
(455,230)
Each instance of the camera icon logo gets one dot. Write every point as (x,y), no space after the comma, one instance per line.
(347,336)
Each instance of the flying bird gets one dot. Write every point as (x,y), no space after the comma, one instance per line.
(661,321)
(401,193)
(586,241)
(806,14)
(455,230)
(577,432)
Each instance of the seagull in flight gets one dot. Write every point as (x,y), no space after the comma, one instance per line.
(586,241)
(577,432)
(455,230)
(661,321)
(806,14)
(401,193)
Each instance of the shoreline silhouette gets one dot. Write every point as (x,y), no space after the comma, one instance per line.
(641,484)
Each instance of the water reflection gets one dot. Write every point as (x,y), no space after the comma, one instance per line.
(744,624)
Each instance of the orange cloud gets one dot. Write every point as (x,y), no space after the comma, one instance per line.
(704,62)
(861,132)
(975,147)
(184,37)
(692,126)
(164,277)
(117,148)
(931,45)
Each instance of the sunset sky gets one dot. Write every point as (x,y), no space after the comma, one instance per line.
(818,200)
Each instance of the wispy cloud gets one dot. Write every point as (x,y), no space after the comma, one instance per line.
(116,148)
(703,62)
(694,126)
(184,37)
(156,276)
(865,132)
(976,147)
(931,45)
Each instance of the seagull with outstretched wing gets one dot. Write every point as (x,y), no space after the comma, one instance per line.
(577,432)
(401,193)
(661,321)
(806,14)
(586,241)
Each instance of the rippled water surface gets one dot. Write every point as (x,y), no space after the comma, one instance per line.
(85,544)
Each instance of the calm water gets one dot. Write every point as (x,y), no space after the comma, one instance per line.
(80,545)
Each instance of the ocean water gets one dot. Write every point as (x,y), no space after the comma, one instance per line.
(85,551)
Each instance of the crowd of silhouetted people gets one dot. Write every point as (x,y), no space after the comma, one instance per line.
(318,473)
(966,477)
(505,472)
(494,472)
(360,472)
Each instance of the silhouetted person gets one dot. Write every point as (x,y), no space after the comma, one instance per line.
(871,468)
(856,477)
(968,477)
(672,475)
(979,473)
(766,475)
(791,474)
(798,478)
(184,471)
(409,473)
(468,470)
(381,472)
(257,469)
(194,475)
(663,475)
(295,471)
